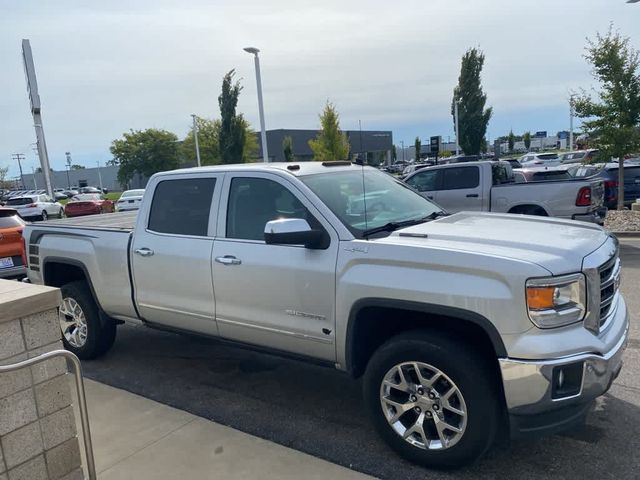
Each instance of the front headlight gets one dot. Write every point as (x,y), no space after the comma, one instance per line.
(556,301)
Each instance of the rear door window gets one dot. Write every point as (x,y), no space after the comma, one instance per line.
(19,201)
(182,207)
(460,177)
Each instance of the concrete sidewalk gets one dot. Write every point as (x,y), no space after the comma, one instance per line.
(137,438)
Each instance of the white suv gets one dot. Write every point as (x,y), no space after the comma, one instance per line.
(36,207)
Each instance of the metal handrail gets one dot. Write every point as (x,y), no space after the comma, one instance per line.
(82,401)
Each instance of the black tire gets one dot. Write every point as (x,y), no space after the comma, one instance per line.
(44,216)
(101,330)
(470,372)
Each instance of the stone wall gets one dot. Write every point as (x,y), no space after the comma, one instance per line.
(38,438)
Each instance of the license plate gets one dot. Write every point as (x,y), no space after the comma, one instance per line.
(6,262)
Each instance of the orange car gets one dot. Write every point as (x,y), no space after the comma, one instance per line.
(12,254)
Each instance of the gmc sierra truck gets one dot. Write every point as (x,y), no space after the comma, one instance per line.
(489,186)
(466,327)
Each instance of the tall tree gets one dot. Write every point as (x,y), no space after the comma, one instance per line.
(526,138)
(331,143)
(394,154)
(511,139)
(473,118)
(613,116)
(417,145)
(287,149)
(145,152)
(232,136)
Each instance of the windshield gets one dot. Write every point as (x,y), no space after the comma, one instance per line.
(87,197)
(20,201)
(386,199)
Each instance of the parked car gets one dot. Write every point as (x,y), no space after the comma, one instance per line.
(35,207)
(414,167)
(488,186)
(543,159)
(12,256)
(609,175)
(579,156)
(513,162)
(70,193)
(458,159)
(88,204)
(466,328)
(130,200)
(60,194)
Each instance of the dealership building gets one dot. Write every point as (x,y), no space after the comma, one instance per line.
(375,145)
(83,177)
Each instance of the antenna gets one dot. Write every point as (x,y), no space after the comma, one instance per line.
(364,196)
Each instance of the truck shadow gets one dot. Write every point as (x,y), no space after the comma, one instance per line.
(319,411)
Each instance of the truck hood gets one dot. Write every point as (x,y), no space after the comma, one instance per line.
(556,245)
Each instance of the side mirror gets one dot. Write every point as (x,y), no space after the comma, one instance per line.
(293,231)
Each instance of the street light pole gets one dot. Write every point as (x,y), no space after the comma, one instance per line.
(457,137)
(68,165)
(571,113)
(263,135)
(402,143)
(195,136)
(100,176)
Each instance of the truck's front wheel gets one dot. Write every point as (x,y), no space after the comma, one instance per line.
(432,400)
(84,332)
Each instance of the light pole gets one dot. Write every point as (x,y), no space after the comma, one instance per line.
(33,172)
(263,136)
(571,113)
(195,136)
(100,176)
(68,165)
(456,115)
(402,143)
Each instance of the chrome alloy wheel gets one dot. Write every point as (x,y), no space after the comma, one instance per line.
(423,406)
(73,323)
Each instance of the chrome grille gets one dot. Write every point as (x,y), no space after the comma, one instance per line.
(609,282)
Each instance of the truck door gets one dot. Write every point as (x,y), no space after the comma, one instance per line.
(461,189)
(276,296)
(171,253)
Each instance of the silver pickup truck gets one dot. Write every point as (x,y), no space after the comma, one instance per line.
(488,186)
(465,327)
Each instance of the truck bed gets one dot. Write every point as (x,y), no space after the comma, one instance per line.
(118,221)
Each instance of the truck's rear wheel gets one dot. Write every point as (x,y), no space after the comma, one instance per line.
(84,332)
(431,400)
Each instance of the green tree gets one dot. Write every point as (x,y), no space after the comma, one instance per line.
(208,134)
(144,152)
(394,154)
(511,139)
(287,149)
(417,145)
(4,172)
(473,118)
(233,128)
(331,143)
(77,167)
(527,140)
(612,114)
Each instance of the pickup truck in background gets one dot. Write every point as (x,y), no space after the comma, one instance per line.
(465,328)
(489,186)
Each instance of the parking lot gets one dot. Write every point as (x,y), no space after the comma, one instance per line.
(319,411)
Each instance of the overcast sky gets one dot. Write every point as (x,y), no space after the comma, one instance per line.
(106,67)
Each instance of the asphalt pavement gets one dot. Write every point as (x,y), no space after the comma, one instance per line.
(319,411)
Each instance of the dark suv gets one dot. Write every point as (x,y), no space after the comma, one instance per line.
(609,174)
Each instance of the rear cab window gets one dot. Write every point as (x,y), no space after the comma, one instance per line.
(457,178)
(10,220)
(182,206)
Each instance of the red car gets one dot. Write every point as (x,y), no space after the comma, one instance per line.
(88,204)
(12,256)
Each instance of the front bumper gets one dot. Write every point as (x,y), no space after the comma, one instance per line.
(532,404)
(597,216)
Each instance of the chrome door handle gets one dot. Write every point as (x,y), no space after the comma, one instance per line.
(228,260)
(144,252)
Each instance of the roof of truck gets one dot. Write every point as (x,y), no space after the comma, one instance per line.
(294,168)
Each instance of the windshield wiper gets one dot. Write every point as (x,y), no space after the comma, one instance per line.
(392,226)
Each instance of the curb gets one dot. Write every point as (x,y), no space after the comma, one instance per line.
(626,234)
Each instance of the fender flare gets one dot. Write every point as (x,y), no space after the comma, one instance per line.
(427,308)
